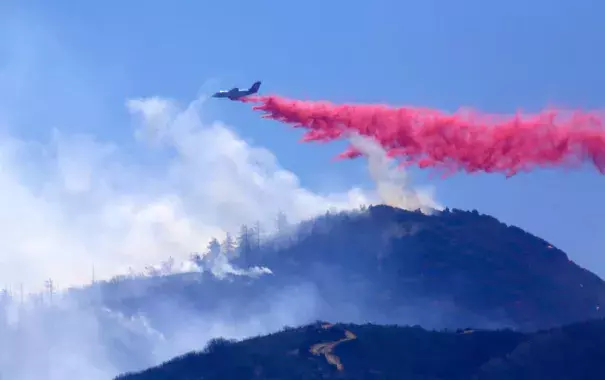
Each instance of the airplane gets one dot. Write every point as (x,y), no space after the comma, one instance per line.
(235,93)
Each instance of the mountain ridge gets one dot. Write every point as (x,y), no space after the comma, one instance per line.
(394,352)
(474,260)
(454,269)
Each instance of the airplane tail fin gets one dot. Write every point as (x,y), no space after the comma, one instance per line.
(254,88)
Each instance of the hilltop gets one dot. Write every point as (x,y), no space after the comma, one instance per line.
(468,266)
(386,265)
(326,351)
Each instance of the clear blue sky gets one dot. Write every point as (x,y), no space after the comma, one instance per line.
(496,56)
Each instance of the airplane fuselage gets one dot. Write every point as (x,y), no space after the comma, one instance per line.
(236,93)
(232,94)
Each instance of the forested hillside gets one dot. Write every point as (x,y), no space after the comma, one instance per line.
(453,269)
(352,352)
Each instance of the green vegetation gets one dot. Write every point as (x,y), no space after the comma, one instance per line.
(392,352)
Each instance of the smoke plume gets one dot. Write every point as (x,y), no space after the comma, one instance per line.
(393,186)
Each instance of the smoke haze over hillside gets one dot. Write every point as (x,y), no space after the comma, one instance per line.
(160,184)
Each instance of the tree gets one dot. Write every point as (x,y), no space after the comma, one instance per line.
(167,266)
(244,241)
(257,234)
(218,344)
(196,258)
(212,250)
(228,246)
(284,233)
(281,223)
(50,286)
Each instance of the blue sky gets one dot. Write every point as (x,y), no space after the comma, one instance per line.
(73,67)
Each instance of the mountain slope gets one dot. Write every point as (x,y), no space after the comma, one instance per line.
(390,352)
(385,265)
(382,265)
(455,262)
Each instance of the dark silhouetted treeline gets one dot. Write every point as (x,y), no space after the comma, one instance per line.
(574,352)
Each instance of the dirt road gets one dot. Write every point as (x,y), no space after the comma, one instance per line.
(327,348)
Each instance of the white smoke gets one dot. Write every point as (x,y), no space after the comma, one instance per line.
(221,267)
(82,203)
(393,184)
(92,196)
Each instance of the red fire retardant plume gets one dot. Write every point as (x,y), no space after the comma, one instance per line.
(466,140)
